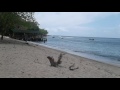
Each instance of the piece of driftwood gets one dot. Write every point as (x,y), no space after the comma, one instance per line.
(60,57)
(72,67)
(52,61)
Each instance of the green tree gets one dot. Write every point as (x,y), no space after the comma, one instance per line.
(9,20)
(43,31)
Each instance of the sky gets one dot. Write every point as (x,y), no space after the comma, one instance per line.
(87,24)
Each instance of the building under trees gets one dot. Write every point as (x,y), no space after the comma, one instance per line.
(20,25)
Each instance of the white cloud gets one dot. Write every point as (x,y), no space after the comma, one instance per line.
(69,18)
(69,22)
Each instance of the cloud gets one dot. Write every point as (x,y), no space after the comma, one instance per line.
(69,22)
(50,19)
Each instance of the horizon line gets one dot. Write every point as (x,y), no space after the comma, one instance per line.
(83,36)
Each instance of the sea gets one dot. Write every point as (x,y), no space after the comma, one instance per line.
(106,50)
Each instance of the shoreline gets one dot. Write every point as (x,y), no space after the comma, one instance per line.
(21,60)
(83,55)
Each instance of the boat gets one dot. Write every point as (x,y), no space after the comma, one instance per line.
(91,39)
(61,37)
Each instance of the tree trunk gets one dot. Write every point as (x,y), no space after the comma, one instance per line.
(2,36)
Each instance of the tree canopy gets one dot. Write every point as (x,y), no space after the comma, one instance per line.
(43,31)
(18,20)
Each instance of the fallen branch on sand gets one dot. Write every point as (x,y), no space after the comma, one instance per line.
(56,64)
(72,67)
(52,61)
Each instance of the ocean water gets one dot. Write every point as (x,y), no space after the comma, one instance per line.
(101,49)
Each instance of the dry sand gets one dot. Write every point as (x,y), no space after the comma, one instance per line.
(20,60)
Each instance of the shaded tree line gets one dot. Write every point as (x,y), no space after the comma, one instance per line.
(19,21)
(43,31)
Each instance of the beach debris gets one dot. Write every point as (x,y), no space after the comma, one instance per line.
(60,57)
(52,61)
(72,67)
(27,43)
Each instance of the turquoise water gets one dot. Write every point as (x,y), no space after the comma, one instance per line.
(102,49)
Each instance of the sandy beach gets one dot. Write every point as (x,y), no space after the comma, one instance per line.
(21,60)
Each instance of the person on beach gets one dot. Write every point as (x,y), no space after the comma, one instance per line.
(44,40)
(26,37)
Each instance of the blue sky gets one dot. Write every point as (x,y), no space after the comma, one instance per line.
(89,24)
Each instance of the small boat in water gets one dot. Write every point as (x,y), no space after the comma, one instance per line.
(61,37)
(91,39)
